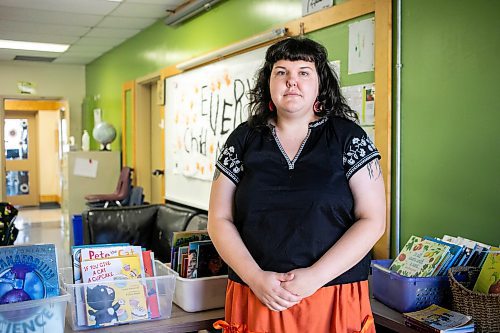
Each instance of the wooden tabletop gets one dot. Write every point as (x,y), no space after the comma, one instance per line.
(180,321)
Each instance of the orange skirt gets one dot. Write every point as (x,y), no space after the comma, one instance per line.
(341,308)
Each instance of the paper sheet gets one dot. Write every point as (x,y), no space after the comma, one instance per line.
(85,167)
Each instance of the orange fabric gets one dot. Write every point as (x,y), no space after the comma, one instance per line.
(336,309)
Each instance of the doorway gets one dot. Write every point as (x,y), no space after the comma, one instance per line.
(32,128)
(21,157)
(150,138)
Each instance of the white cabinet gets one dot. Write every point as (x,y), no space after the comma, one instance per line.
(75,187)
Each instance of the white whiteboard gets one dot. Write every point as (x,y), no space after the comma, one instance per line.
(202,107)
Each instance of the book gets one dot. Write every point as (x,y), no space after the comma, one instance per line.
(419,257)
(209,261)
(488,281)
(28,272)
(182,238)
(151,285)
(192,269)
(454,253)
(114,292)
(435,318)
(76,251)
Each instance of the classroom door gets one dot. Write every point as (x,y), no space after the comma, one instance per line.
(157,147)
(21,179)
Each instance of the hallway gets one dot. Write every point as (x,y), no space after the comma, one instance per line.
(44,226)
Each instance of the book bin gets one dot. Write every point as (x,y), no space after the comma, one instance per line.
(407,294)
(163,284)
(483,308)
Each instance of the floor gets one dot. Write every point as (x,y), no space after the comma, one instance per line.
(44,226)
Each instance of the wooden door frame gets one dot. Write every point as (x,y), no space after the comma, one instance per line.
(26,103)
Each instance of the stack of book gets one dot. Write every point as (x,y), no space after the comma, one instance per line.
(193,255)
(438,319)
(114,289)
(428,256)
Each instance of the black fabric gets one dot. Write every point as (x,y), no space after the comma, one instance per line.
(290,212)
(149,226)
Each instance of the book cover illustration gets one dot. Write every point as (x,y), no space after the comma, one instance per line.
(28,272)
(183,238)
(454,254)
(76,255)
(419,258)
(192,269)
(116,294)
(438,319)
(488,281)
(209,261)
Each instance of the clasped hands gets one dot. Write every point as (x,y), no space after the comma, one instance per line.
(280,291)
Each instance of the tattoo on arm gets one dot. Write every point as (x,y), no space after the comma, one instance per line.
(374,169)
(216,174)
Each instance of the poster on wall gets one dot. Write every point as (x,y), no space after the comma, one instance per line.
(361,46)
(202,107)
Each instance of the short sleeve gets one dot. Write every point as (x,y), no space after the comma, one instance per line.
(230,160)
(359,150)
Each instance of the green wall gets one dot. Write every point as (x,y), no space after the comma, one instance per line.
(450,119)
(450,154)
(160,46)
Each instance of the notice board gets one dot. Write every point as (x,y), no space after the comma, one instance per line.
(202,107)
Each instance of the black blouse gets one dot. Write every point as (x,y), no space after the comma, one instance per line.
(290,212)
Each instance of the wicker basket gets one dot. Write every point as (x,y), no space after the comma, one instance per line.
(484,308)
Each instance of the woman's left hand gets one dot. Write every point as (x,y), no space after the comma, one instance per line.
(304,283)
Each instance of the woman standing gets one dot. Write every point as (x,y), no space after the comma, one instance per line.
(297,202)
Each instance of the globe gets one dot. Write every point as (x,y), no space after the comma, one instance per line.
(104,133)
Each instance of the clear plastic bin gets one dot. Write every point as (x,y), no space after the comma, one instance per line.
(199,294)
(406,294)
(41,315)
(164,282)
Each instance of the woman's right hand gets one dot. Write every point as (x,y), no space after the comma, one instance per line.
(267,287)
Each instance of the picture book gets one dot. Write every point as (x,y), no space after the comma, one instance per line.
(192,269)
(182,238)
(438,319)
(76,250)
(183,250)
(114,293)
(419,257)
(488,281)
(28,272)
(455,252)
(209,261)
(151,285)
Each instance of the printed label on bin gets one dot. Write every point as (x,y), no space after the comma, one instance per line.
(41,318)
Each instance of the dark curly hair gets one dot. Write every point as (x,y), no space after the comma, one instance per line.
(293,49)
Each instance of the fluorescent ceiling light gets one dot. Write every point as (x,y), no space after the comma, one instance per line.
(233,48)
(32,46)
(189,10)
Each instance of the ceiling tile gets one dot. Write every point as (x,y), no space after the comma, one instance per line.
(141,10)
(50,17)
(109,32)
(126,22)
(96,7)
(28,27)
(87,40)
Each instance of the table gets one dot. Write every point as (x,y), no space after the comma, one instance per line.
(182,321)
(179,322)
(388,318)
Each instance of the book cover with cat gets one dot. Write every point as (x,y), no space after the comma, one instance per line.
(115,292)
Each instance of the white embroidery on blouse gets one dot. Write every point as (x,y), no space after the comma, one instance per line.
(359,151)
(230,163)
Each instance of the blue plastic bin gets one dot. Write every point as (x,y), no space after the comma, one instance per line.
(406,294)
(77,230)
